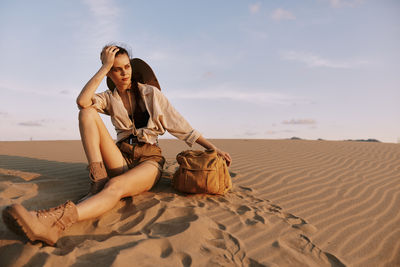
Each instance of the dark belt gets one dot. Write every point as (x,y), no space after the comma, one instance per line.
(131,139)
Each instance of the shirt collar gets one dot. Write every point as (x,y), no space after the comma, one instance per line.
(115,93)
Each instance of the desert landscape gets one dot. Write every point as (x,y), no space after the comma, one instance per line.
(293,203)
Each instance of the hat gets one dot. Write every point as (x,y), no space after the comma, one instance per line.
(141,72)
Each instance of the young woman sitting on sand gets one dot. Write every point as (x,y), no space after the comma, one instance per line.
(140,113)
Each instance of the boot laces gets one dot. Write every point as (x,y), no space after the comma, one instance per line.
(56,213)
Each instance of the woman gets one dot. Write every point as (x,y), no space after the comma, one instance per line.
(139,113)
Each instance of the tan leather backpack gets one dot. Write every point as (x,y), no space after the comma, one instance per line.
(202,172)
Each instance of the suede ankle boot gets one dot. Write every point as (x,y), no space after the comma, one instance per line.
(98,178)
(43,225)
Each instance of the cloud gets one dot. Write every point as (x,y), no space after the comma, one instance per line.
(45,89)
(345,3)
(270,132)
(31,124)
(65,92)
(3,114)
(312,60)
(300,121)
(255,8)
(102,8)
(208,75)
(103,25)
(253,96)
(36,123)
(158,55)
(255,33)
(250,133)
(282,14)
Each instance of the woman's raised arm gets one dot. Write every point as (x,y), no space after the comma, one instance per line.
(107,57)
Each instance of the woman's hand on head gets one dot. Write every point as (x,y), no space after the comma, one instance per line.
(225,155)
(107,56)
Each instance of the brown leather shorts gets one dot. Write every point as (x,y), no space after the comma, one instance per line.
(137,153)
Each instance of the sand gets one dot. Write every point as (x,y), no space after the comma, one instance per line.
(294,203)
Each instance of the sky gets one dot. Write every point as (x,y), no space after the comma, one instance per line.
(271,69)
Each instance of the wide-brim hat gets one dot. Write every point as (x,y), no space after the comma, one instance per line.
(141,72)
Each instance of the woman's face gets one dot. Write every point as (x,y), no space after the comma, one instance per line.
(121,71)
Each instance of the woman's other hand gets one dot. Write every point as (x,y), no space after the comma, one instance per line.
(107,56)
(207,145)
(225,155)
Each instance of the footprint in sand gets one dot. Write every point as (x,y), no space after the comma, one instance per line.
(251,210)
(260,208)
(297,246)
(225,248)
(249,215)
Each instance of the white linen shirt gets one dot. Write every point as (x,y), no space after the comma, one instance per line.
(163,116)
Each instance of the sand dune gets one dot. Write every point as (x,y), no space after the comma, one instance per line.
(294,203)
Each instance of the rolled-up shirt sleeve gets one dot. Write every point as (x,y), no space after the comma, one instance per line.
(101,102)
(175,123)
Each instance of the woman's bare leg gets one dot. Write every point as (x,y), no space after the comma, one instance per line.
(96,140)
(99,146)
(135,181)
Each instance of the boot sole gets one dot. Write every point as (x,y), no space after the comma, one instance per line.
(18,225)
(12,223)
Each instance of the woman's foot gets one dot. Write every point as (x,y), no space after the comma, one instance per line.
(43,225)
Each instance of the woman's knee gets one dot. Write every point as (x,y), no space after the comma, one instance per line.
(86,114)
(115,187)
